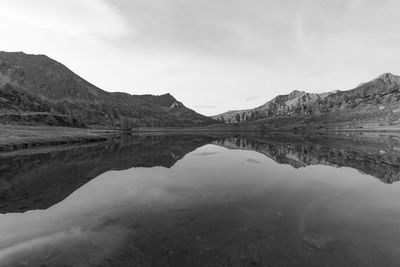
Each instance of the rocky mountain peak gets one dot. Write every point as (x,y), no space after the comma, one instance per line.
(295,94)
(384,89)
(176,104)
(389,78)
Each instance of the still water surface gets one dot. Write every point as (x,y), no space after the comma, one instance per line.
(208,200)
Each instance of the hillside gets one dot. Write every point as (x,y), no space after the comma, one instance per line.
(372,104)
(34,89)
(280,105)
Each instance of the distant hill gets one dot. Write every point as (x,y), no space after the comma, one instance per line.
(37,89)
(280,105)
(374,103)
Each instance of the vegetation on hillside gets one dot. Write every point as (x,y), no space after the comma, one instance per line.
(31,84)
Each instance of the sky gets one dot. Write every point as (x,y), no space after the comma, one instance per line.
(213,55)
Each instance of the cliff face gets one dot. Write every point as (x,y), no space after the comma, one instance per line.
(280,105)
(37,84)
(376,98)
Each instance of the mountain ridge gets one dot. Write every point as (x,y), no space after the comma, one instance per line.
(37,83)
(385,86)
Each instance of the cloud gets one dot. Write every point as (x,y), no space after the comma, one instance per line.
(253,161)
(317,72)
(205,106)
(205,153)
(251,98)
(73,17)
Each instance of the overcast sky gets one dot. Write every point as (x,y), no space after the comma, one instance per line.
(213,55)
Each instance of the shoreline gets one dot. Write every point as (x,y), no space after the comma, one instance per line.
(17,137)
(266,130)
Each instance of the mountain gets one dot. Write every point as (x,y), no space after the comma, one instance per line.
(289,104)
(371,104)
(38,89)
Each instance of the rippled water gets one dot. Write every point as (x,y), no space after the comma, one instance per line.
(204,200)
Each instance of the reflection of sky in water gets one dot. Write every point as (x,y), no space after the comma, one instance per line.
(318,204)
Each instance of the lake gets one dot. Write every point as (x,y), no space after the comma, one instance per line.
(215,199)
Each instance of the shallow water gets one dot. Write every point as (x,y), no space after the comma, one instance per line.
(213,200)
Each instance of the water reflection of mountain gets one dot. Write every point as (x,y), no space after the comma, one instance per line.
(38,179)
(376,155)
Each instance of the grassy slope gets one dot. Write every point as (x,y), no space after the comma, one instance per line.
(16,137)
(36,83)
(370,118)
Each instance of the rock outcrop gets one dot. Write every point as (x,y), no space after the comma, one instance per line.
(376,99)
